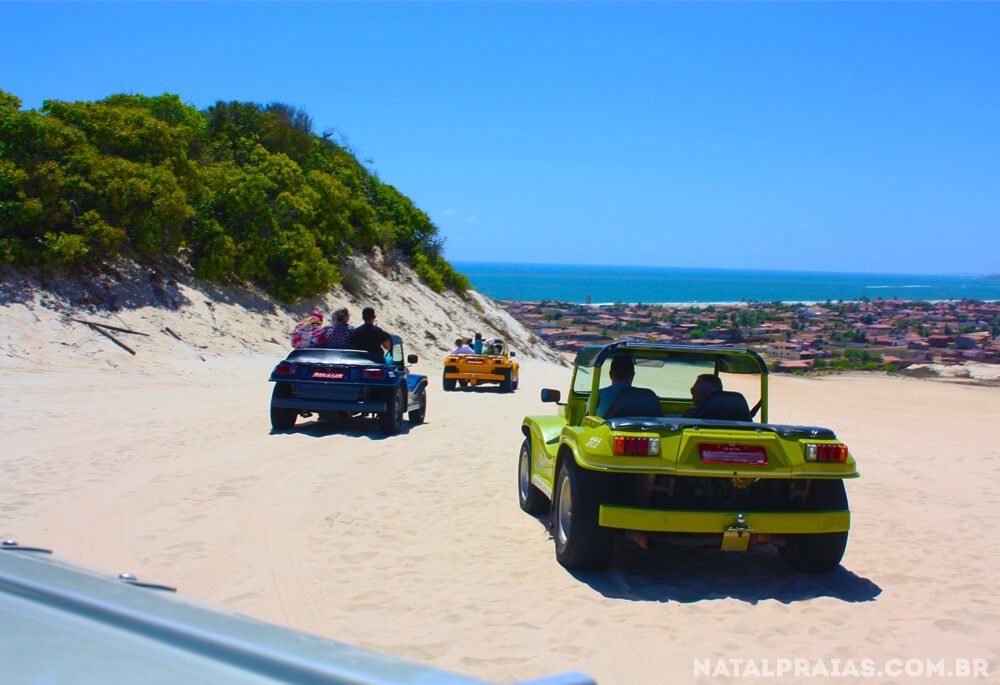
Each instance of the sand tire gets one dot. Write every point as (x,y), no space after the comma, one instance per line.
(818,552)
(390,421)
(506,385)
(580,542)
(282,419)
(420,413)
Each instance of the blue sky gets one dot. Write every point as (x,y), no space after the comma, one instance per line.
(835,136)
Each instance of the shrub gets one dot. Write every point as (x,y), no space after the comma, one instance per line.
(248,190)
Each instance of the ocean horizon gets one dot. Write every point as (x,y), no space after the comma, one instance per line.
(595,284)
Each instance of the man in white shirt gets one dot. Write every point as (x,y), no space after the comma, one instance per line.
(462,348)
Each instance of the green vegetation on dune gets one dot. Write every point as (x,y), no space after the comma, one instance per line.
(238,190)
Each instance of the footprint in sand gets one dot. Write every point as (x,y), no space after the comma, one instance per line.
(953,626)
(236,600)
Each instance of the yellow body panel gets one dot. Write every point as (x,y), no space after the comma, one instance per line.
(480,368)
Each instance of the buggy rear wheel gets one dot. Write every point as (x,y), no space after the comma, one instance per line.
(281,419)
(814,553)
(818,552)
(390,421)
(580,541)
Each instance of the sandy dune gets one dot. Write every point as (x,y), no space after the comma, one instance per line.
(414,544)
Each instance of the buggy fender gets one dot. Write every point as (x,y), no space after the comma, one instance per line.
(569,447)
(543,432)
(414,385)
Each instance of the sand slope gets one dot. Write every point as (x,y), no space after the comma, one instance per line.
(181,321)
(414,544)
(162,463)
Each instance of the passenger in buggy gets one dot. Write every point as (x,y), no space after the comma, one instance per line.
(462,348)
(621,398)
(712,402)
(337,335)
(308,332)
(370,338)
(704,386)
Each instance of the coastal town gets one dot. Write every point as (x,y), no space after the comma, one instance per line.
(874,334)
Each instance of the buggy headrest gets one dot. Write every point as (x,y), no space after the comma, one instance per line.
(726,405)
(634,402)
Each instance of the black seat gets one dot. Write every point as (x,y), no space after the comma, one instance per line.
(725,405)
(635,402)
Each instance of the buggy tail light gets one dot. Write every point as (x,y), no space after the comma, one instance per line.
(373,374)
(285,369)
(747,455)
(636,447)
(825,454)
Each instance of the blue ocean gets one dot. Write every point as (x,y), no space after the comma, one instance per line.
(606,284)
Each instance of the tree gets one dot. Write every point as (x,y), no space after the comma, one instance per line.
(242,190)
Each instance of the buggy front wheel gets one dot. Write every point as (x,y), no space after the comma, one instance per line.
(420,413)
(531,499)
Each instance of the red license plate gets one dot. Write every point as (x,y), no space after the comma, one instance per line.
(328,375)
(733,454)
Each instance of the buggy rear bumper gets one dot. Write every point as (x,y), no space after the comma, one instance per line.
(686,521)
(327,405)
(474,376)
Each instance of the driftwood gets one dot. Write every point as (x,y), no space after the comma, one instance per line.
(116,341)
(168,331)
(110,328)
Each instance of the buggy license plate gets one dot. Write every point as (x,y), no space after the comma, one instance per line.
(328,375)
(474,361)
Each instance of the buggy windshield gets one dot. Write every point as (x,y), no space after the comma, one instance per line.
(671,369)
(668,378)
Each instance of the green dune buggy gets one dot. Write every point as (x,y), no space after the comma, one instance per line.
(655,466)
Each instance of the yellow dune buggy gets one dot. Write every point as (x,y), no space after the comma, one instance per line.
(654,466)
(495,365)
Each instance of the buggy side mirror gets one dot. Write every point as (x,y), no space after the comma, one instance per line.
(550,395)
(513,354)
(412,359)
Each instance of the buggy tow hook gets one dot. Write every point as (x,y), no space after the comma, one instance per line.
(736,537)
